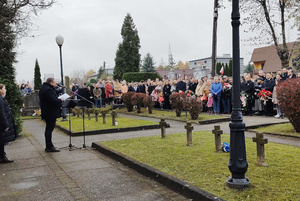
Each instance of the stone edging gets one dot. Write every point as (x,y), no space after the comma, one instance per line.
(113,130)
(171,182)
(250,129)
(212,121)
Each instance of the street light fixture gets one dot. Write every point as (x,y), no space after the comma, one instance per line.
(237,162)
(60,41)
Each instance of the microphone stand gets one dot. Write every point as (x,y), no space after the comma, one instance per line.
(83,121)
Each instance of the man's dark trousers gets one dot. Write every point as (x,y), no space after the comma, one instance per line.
(50,125)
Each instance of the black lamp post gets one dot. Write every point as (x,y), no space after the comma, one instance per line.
(60,41)
(238,162)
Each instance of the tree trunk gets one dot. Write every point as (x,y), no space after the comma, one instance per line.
(104,119)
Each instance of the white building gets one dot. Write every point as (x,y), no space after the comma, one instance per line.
(202,67)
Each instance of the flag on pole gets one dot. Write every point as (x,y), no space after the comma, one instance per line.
(222,70)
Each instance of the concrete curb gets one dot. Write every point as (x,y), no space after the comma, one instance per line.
(263,125)
(199,122)
(171,182)
(277,134)
(214,121)
(114,130)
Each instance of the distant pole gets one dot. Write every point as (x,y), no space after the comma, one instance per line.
(237,164)
(214,39)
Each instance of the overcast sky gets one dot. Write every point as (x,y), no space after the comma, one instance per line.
(91,31)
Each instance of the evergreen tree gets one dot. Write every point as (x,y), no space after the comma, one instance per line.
(230,68)
(219,66)
(100,72)
(37,76)
(148,63)
(249,68)
(7,75)
(226,69)
(127,55)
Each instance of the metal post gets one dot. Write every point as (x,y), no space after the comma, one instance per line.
(238,162)
(64,110)
(214,39)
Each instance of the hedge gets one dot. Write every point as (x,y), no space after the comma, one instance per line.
(138,76)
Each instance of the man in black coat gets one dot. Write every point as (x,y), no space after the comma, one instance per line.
(7,128)
(51,109)
(268,85)
(248,88)
(181,86)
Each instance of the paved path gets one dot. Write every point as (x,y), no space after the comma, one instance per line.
(82,174)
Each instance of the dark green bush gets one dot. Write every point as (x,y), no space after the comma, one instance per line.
(138,76)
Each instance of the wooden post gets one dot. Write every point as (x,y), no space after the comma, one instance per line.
(162,125)
(189,133)
(113,116)
(218,132)
(260,147)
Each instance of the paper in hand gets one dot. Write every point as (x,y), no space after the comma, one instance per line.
(64,96)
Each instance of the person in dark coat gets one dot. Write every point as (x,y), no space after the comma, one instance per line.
(248,88)
(167,93)
(51,110)
(268,85)
(193,85)
(181,86)
(141,87)
(7,129)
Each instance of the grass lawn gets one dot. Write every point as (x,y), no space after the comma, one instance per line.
(30,117)
(285,129)
(91,125)
(172,115)
(201,166)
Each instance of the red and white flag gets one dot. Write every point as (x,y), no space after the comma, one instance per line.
(222,70)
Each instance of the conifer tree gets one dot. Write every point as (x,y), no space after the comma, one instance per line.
(127,55)
(7,75)
(148,63)
(230,68)
(37,76)
(226,70)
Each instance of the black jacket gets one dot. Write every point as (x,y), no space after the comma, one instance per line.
(268,85)
(193,86)
(167,90)
(249,87)
(50,104)
(181,86)
(6,121)
(141,89)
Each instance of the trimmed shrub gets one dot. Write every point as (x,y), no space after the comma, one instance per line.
(177,102)
(138,100)
(138,76)
(126,97)
(149,103)
(104,111)
(288,95)
(193,106)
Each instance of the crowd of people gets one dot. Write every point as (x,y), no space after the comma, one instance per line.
(25,89)
(258,92)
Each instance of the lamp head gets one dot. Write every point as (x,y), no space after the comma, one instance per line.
(59,40)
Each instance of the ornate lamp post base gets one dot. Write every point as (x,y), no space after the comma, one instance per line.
(238,183)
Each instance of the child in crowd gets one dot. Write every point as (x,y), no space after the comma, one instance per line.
(210,104)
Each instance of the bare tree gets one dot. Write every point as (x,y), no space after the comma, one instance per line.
(18,14)
(268,18)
